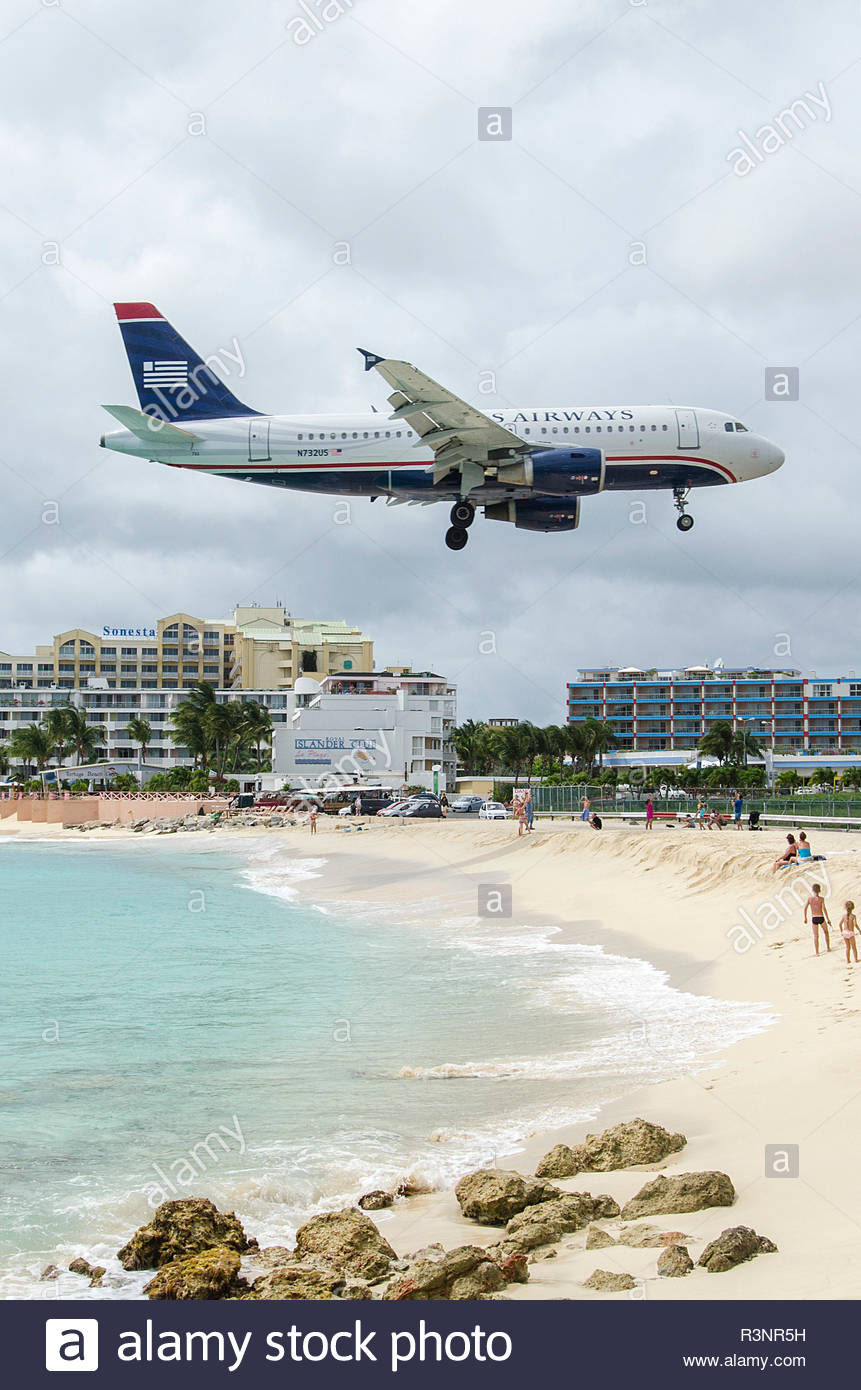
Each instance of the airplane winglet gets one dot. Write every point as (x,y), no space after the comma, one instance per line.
(371,358)
(149,427)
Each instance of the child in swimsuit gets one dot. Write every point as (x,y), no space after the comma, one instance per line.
(819,917)
(848,928)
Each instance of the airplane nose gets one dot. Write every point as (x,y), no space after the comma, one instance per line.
(775,457)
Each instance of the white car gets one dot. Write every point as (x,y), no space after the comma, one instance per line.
(494,810)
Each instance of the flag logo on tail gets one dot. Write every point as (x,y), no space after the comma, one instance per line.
(171,374)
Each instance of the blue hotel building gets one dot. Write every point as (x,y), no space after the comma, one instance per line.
(669,711)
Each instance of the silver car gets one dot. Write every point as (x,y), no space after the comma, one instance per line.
(494,810)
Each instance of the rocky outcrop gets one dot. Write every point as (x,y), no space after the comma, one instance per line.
(732,1247)
(295,1281)
(621,1146)
(544,1222)
(605,1281)
(50,1272)
(467,1272)
(686,1192)
(674,1262)
(376,1200)
(492,1196)
(598,1239)
(212,1274)
(348,1241)
(180,1229)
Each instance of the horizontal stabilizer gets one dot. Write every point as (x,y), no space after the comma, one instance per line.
(149,428)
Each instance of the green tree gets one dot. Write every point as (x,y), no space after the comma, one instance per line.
(254,726)
(473,742)
(32,746)
(139,730)
(84,738)
(56,722)
(719,741)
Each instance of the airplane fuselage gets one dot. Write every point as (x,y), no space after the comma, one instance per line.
(606,448)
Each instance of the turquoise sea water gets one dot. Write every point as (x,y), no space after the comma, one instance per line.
(178,1021)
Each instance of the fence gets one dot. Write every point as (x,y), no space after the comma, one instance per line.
(568,800)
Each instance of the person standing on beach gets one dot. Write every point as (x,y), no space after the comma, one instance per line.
(357,806)
(585,803)
(529,808)
(313,820)
(819,917)
(650,814)
(848,929)
(521,818)
(737,808)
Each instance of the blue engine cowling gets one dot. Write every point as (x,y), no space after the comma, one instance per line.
(568,472)
(538,513)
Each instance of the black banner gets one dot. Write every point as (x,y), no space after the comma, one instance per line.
(421,1344)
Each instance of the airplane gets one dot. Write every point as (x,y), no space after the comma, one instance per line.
(530,467)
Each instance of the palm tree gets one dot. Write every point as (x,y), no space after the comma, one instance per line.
(719,741)
(744,745)
(139,730)
(4,762)
(84,737)
(189,722)
(513,747)
(255,727)
(472,741)
(602,738)
(32,745)
(56,722)
(219,724)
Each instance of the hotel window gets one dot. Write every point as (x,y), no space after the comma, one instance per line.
(128,685)
(169,685)
(855,691)
(127,668)
(149,685)
(212,637)
(211,670)
(109,651)
(822,692)
(47,667)
(170,670)
(108,668)
(149,670)
(129,651)
(149,651)
(190,670)
(88,668)
(24,666)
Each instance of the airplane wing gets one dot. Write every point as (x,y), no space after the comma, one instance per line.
(464,439)
(150,428)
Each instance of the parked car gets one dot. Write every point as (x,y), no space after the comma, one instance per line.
(494,810)
(396,808)
(372,804)
(423,807)
(467,803)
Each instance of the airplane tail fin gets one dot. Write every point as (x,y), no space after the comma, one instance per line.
(171,380)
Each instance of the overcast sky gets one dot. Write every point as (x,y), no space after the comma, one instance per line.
(466,257)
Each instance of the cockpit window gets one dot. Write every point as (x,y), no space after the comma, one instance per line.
(743,429)
(729,426)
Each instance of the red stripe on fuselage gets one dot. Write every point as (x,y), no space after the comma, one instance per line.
(321,466)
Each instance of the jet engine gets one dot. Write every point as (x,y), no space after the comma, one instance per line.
(537,513)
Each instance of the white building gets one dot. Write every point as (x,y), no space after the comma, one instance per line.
(378,726)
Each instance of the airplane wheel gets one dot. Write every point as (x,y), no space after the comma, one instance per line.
(462,514)
(685,522)
(456,537)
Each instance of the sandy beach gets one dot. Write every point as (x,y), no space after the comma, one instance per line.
(705,907)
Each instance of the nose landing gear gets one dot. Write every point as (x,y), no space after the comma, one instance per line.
(462,516)
(684,521)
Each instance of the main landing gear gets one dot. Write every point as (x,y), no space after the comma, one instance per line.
(462,516)
(685,521)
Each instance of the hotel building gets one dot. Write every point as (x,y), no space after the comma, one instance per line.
(669,711)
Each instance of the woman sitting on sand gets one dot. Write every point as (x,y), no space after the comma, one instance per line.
(804,850)
(789,856)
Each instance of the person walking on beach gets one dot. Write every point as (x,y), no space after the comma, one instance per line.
(650,814)
(737,808)
(819,917)
(848,929)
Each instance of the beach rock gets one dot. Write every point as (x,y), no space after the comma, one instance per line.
(413,1187)
(80,1266)
(272,1256)
(492,1195)
(50,1272)
(182,1228)
(468,1272)
(214,1273)
(640,1235)
(597,1238)
(622,1146)
(376,1200)
(98,1273)
(674,1262)
(605,1281)
(686,1192)
(560,1162)
(295,1281)
(571,1211)
(349,1241)
(732,1247)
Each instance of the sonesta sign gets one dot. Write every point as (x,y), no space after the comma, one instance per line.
(128,631)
